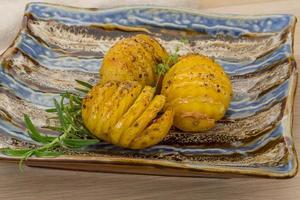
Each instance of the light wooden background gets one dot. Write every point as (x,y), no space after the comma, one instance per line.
(49,184)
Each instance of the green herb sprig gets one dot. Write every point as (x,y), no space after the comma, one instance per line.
(163,67)
(73,133)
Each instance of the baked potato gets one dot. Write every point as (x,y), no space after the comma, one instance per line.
(133,59)
(198,90)
(122,113)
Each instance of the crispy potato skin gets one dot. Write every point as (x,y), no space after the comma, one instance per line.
(105,103)
(198,90)
(133,59)
(138,107)
(119,112)
(141,123)
(155,132)
(152,46)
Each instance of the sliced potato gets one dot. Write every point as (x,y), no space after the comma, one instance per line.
(193,121)
(203,77)
(96,105)
(128,60)
(197,63)
(141,123)
(153,46)
(132,114)
(103,110)
(133,59)
(86,109)
(123,98)
(117,112)
(155,132)
(212,108)
(198,90)
(200,112)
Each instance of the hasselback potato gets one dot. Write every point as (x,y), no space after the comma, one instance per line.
(133,59)
(123,108)
(126,114)
(198,90)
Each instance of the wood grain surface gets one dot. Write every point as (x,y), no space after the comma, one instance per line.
(36,183)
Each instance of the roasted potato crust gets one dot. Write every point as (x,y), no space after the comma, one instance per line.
(133,59)
(138,107)
(119,112)
(198,90)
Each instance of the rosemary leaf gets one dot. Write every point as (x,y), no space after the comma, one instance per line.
(51,110)
(185,40)
(81,90)
(71,102)
(60,114)
(34,133)
(85,84)
(15,152)
(47,153)
(77,99)
(79,143)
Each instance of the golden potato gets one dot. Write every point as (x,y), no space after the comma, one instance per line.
(106,102)
(153,47)
(118,112)
(132,114)
(197,113)
(155,132)
(90,114)
(198,90)
(133,59)
(141,123)
(120,102)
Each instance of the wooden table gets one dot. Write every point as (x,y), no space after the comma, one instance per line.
(37,183)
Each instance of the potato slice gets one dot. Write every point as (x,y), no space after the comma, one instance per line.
(86,109)
(123,98)
(155,132)
(197,68)
(141,123)
(132,114)
(196,62)
(103,109)
(204,77)
(197,88)
(94,106)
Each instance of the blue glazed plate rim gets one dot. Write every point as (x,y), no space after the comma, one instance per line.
(158,7)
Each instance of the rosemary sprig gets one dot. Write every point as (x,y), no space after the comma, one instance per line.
(73,133)
(184,40)
(163,68)
(84,84)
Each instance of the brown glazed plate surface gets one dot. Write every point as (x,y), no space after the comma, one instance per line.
(59,44)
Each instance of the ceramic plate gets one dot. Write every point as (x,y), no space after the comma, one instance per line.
(58,44)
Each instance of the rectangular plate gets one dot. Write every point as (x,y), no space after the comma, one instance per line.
(58,44)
